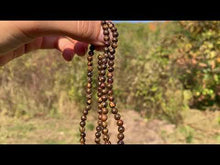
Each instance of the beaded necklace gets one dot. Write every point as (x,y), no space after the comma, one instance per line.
(105,88)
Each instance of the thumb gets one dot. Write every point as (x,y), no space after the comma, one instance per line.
(85,31)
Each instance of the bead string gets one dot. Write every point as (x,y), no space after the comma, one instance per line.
(105,88)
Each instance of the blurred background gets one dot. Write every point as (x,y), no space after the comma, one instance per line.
(167,88)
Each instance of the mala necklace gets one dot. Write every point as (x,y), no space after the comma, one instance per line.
(105,88)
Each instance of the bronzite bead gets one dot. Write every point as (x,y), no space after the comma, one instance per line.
(104,88)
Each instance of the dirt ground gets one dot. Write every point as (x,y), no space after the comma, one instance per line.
(198,127)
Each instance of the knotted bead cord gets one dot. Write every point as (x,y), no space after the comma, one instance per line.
(105,88)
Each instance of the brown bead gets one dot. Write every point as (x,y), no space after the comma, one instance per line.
(89,74)
(89,85)
(115,34)
(83,118)
(102,79)
(104,97)
(105,26)
(112,51)
(104,110)
(88,91)
(89,58)
(104,66)
(99,67)
(98,128)
(114,110)
(99,94)
(102,85)
(119,122)
(97,140)
(99,100)
(104,124)
(114,39)
(114,45)
(82,123)
(99,122)
(103,22)
(104,104)
(90,64)
(97,134)
(110,25)
(90,68)
(100,106)
(110,75)
(99,111)
(110,80)
(82,129)
(110,92)
(88,96)
(89,102)
(117,116)
(109,86)
(121,129)
(106,38)
(88,107)
(106,32)
(99,62)
(111,63)
(91,53)
(107,43)
(102,72)
(120,136)
(104,91)
(100,57)
(114,29)
(99,89)
(111,98)
(85,112)
(111,57)
(105,131)
(100,117)
(89,79)
(83,134)
(106,55)
(120,142)
(112,104)
(106,137)
(104,117)
(82,140)
(111,69)
(106,49)
(104,61)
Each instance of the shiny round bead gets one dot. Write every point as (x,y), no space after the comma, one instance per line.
(104,117)
(110,25)
(121,129)
(99,67)
(99,111)
(83,118)
(112,104)
(89,102)
(103,22)
(119,122)
(99,94)
(99,100)
(89,63)
(111,98)
(85,112)
(104,110)
(82,123)
(97,140)
(97,134)
(88,107)
(104,91)
(106,38)
(104,66)
(110,75)
(117,116)
(104,124)
(83,134)
(102,85)
(105,26)
(89,58)
(114,39)
(106,49)
(121,142)
(106,32)
(114,110)
(88,91)
(109,86)
(114,29)
(111,69)
(120,136)
(99,62)
(102,79)
(105,131)
(104,97)
(112,51)
(106,55)
(107,43)
(100,117)
(106,137)
(91,53)
(104,104)
(82,129)
(98,128)
(89,85)
(111,63)
(99,122)
(100,57)
(90,68)
(114,45)
(111,57)
(110,80)
(115,34)
(100,106)
(82,140)
(104,61)
(102,72)
(88,96)
(89,79)
(110,92)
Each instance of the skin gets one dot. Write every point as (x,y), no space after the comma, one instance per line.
(69,37)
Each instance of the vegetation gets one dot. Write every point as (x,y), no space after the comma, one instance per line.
(162,70)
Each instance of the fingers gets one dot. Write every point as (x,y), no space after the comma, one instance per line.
(85,31)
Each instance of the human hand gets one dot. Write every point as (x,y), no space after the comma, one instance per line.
(69,37)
